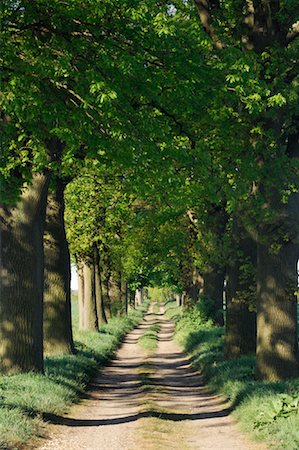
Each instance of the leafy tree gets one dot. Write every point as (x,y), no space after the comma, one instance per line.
(259,53)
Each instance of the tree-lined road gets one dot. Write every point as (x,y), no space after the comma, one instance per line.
(148,401)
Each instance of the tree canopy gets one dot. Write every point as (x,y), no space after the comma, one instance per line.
(173,126)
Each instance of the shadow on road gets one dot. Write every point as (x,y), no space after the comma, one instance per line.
(70,422)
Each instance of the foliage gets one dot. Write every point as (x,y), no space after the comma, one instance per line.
(199,313)
(282,406)
(160,294)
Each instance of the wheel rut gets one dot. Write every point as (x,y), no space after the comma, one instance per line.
(148,401)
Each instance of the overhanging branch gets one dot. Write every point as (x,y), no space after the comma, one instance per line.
(204,13)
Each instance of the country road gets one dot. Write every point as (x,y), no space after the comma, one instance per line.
(148,401)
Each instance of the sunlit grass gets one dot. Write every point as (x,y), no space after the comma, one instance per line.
(149,340)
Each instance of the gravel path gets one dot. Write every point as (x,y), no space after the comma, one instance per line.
(149,402)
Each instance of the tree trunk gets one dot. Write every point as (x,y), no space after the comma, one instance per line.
(81,288)
(277,352)
(178,298)
(90,308)
(213,289)
(132,296)
(106,275)
(184,299)
(187,279)
(277,284)
(277,348)
(106,293)
(138,297)
(58,337)
(240,336)
(124,294)
(115,293)
(99,288)
(22,279)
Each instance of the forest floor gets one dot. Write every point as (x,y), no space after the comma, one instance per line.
(150,401)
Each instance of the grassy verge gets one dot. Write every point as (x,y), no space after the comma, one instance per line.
(268,411)
(26,400)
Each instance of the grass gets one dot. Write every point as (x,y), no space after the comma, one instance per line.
(149,340)
(145,374)
(154,430)
(268,411)
(173,312)
(27,400)
(157,433)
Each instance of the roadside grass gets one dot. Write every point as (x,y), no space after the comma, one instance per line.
(268,411)
(28,400)
(149,340)
(173,312)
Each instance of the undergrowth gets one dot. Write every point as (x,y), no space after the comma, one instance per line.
(268,411)
(27,400)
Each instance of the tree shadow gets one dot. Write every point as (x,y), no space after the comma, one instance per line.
(174,417)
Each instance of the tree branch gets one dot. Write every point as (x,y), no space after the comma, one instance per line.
(204,13)
(180,125)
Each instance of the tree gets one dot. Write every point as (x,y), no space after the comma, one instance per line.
(267,34)
(240,335)
(56,44)
(21,288)
(58,337)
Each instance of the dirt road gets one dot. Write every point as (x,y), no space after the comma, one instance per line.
(148,402)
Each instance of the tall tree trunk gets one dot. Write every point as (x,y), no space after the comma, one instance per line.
(138,297)
(146,293)
(193,283)
(22,279)
(197,285)
(132,296)
(187,279)
(81,289)
(115,293)
(90,308)
(106,275)
(178,299)
(240,335)
(58,336)
(277,351)
(124,294)
(99,288)
(185,298)
(213,289)
(277,347)
(277,284)
(106,293)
